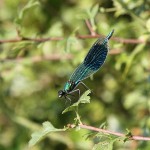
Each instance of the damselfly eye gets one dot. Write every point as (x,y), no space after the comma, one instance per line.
(61,93)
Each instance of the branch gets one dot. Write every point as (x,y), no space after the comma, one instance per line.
(129,41)
(53,57)
(21,39)
(118,39)
(35,59)
(133,137)
(90,28)
(115,51)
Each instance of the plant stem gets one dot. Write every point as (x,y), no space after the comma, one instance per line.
(133,137)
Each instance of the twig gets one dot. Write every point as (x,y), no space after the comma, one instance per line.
(90,27)
(129,41)
(19,39)
(35,59)
(118,39)
(133,137)
(115,51)
(53,57)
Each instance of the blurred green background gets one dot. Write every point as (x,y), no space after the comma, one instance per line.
(32,72)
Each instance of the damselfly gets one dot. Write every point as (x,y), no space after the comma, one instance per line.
(91,64)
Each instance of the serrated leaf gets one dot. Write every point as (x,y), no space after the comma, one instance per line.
(71,108)
(91,135)
(83,99)
(103,146)
(104,141)
(39,135)
(106,144)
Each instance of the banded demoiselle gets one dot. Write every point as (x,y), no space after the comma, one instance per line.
(91,64)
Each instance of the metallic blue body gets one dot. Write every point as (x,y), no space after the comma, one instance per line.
(91,64)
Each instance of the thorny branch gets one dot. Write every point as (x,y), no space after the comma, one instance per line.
(89,26)
(132,137)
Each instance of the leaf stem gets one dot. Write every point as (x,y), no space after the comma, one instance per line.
(78,117)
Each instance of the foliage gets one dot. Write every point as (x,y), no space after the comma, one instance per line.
(34,67)
(47,128)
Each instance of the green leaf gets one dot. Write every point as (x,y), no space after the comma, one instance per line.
(128,135)
(103,146)
(82,15)
(148,25)
(83,99)
(30,5)
(71,108)
(130,59)
(18,50)
(94,10)
(103,125)
(131,12)
(92,13)
(106,144)
(91,135)
(39,135)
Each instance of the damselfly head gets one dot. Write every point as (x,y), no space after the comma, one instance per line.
(61,93)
